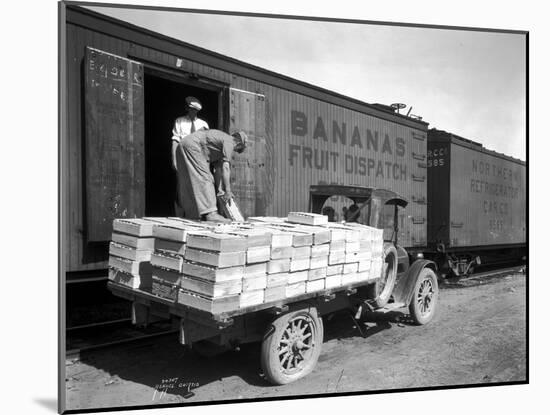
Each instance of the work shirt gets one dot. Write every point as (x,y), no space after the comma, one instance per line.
(183,126)
(216,145)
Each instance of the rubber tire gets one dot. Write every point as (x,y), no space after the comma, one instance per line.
(269,357)
(416,315)
(381,294)
(208,349)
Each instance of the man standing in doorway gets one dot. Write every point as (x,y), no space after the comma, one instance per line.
(197,155)
(183,126)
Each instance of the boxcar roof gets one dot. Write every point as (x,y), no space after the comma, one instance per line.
(440,135)
(123,30)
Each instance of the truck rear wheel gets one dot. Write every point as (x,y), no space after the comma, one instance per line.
(424,299)
(380,292)
(291,346)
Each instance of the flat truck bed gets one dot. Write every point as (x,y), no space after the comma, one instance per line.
(181,310)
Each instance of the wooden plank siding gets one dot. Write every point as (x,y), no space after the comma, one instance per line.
(295,161)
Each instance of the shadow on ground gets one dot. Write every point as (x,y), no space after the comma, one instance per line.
(163,361)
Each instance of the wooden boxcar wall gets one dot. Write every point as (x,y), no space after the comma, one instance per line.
(488,204)
(306,134)
(477,197)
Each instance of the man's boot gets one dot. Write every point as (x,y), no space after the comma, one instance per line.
(216,217)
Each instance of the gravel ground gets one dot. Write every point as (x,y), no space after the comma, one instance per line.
(478,336)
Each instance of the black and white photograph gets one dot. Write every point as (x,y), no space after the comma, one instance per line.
(266,206)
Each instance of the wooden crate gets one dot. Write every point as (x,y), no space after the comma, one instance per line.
(215,259)
(318,262)
(351,267)
(208,304)
(251,298)
(278,265)
(337,246)
(258,254)
(353,247)
(212,274)
(296,277)
(254,283)
(133,241)
(213,241)
(335,269)
(276,280)
(173,247)
(169,276)
(276,293)
(230,209)
(334,281)
(135,226)
(364,265)
(132,281)
(338,257)
(307,218)
(255,270)
(211,289)
(130,253)
(281,253)
(162,289)
(167,260)
(129,266)
(320,250)
(316,274)
(254,237)
(174,230)
(301,252)
(299,264)
(293,290)
(315,285)
(351,278)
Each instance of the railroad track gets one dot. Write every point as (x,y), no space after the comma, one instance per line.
(496,273)
(96,336)
(484,277)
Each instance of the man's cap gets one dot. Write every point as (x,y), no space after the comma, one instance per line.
(194,103)
(241,135)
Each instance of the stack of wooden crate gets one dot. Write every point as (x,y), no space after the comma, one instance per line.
(230,267)
(170,245)
(130,252)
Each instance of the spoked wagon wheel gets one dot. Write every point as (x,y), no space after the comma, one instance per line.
(380,292)
(292,346)
(425,295)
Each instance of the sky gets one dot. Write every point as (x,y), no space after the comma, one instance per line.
(470,83)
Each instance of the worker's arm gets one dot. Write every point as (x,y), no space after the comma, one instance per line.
(174,147)
(226,180)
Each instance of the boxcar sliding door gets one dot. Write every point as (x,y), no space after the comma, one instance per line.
(250,170)
(114,161)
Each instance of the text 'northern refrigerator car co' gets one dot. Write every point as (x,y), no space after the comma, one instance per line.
(477,202)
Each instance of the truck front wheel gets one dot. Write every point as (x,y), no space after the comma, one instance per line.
(424,299)
(380,292)
(291,346)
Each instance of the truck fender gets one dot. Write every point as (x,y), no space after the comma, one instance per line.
(403,291)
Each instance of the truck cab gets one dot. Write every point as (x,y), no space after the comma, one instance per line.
(370,201)
(408,279)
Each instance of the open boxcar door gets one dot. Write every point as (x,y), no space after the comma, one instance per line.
(114,161)
(250,170)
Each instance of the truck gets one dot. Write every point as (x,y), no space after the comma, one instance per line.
(291,330)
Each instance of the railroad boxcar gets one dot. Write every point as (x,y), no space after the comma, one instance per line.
(126,85)
(476,204)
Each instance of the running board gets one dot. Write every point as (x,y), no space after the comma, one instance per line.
(390,307)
